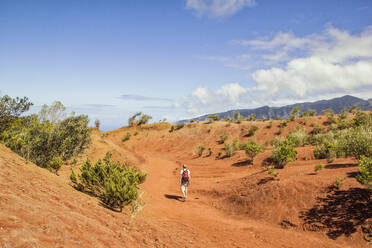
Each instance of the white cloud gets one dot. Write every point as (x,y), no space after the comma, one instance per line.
(317,66)
(232,91)
(218,8)
(201,94)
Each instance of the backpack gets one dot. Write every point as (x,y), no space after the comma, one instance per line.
(185,175)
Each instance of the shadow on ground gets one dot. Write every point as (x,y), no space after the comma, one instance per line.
(174,197)
(341,212)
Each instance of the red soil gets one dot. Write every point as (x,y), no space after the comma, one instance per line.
(231,203)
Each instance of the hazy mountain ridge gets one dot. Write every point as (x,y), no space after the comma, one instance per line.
(336,104)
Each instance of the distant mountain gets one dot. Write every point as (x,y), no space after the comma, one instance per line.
(336,104)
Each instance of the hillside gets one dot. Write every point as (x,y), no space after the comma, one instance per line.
(336,104)
(231,203)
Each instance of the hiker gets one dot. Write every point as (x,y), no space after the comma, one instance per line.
(185,181)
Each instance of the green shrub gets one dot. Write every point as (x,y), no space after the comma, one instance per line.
(115,184)
(171,129)
(252,149)
(126,137)
(209,152)
(223,138)
(180,126)
(317,130)
(252,117)
(271,171)
(358,142)
(283,123)
(278,117)
(338,182)
(235,144)
(318,167)
(252,130)
(330,116)
(141,119)
(11,109)
(97,123)
(200,150)
(270,125)
(229,149)
(294,113)
(310,112)
(56,163)
(283,153)
(365,171)
(362,119)
(298,138)
(212,118)
(41,142)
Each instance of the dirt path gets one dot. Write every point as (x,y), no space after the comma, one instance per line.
(196,224)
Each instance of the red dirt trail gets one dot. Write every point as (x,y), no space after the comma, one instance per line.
(230,204)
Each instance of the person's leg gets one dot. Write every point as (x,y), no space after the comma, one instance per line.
(185,194)
(183,189)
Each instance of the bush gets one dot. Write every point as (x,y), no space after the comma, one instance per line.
(283,153)
(317,129)
(42,142)
(298,138)
(310,112)
(126,137)
(180,126)
(11,109)
(252,117)
(330,116)
(200,150)
(209,152)
(229,149)
(338,182)
(252,149)
(142,119)
(318,167)
(252,130)
(212,118)
(270,125)
(365,171)
(271,171)
(115,184)
(223,138)
(358,142)
(294,113)
(97,123)
(362,119)
(56,163)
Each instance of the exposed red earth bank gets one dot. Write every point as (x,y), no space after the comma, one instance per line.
(231,203)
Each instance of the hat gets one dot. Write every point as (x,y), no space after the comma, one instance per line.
(184,166)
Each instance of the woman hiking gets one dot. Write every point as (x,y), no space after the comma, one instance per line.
(185,181)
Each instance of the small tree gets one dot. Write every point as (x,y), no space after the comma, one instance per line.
(229,149)
(11,108)
(212,118)
(223,138)
(252,149)
(294,113)
(330,116)
(252,117)
(271,171)
(97,123)
(252,130)
(318,167)
(283,153)
(200,150)
(114,183)
(126,137)
(365,171)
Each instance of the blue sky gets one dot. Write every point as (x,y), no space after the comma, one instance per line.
(177,59)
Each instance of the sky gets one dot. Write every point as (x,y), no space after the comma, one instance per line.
(179,59)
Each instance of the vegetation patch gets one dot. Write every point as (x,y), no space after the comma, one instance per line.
(114,183)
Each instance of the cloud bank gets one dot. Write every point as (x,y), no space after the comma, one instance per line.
(317,66)
(218,8)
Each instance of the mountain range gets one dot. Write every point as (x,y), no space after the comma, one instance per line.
(336,104)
